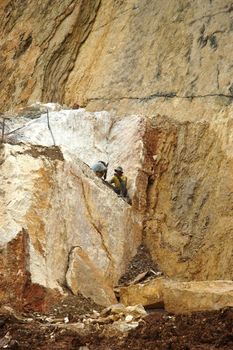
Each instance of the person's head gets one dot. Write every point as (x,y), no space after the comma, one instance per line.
(119,170)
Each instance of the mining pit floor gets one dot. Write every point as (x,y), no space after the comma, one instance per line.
(158,330)
(71,324)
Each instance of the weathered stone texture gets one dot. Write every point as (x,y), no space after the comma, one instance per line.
(139,56)
(34,36)
(170,61)
(180,297)
(186,297)
(188,222)
(59,205)
(83,276)
(146,294)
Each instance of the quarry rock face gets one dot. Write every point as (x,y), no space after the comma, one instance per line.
(72,225)
(188,225)
(161,71)
(49,207)
(170,57)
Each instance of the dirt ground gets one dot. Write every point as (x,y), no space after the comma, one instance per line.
(199,331)
(65,326)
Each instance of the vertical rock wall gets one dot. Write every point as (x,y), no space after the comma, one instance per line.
(78,232)
(188,220)
(39,44)
(172,58)
(130,55)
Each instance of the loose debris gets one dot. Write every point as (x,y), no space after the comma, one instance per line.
(140,267)
(202,330)
(118,316)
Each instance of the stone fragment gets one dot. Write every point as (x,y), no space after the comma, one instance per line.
(81,266)
(124,326)
(128,318)
(136,310)
(185,297)
(115,309)
(150,293)
(180,297)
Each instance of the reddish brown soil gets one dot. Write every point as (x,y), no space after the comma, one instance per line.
(73,307)
(199,331)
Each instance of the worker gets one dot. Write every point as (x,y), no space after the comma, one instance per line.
(106,169)
(100,169)
(119,182)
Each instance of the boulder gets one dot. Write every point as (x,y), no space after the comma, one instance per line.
(81,271)
(180,297)
(147,294)
(186,297)
(48,207)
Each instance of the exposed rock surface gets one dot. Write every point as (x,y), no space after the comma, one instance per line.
(147,294)
(43,218)
(83,276)
(91,137)
(180,180)
(187,297)
(188,223)
(180,297)
(174,57)
(168,61)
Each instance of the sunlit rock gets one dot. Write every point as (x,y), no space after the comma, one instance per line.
(180,297)
(59,205)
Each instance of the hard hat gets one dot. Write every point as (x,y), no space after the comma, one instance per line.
(98,167)
(119,169)
(102,162)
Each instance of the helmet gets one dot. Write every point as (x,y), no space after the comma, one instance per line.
(105,164)
(119,169)
(98,167)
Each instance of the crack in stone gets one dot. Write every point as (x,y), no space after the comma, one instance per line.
(168,95)
(92,221)
(113,19)
(57,62)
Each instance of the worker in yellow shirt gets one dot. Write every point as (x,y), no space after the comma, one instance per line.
(119,182)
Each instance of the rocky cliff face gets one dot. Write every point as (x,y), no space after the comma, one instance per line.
(188,223)
(148,55)
(60,224)
(168,67)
